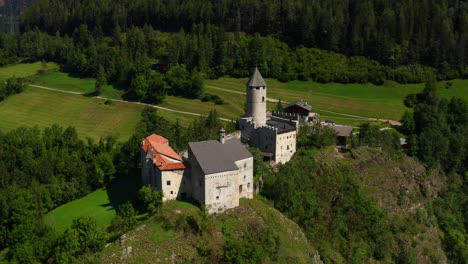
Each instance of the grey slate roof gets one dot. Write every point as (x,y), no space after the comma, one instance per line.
(301,104)
(256,80)
(282,127)
(342,131)
(213,157)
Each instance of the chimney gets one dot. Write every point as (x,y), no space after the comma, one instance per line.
(222,135)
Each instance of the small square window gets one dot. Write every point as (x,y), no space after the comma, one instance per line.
(172,192)
(168,183)
(217,197)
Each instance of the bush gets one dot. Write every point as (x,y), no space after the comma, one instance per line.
(152,200)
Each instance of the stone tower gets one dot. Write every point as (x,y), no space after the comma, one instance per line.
(256,98)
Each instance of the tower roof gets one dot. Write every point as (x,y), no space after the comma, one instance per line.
(256,80)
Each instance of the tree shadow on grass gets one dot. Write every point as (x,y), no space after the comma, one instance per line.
(123,190)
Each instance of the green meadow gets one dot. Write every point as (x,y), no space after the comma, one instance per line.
(24,69)
(100,204)
(347,100)
(90,116)
(231,110)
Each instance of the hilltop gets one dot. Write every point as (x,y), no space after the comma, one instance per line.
(183,233)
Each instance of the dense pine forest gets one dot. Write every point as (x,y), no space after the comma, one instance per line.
(433,33)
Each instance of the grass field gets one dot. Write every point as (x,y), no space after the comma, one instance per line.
(366,100)
(24,69)
(90,116)
(64,81)
(100,204)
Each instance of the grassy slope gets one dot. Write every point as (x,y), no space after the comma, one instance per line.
(355,99)
(24,69)
(151,243)
(90,116)
(64,81)
(100,204)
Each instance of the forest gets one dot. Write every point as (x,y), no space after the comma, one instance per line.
(432,33)
(142,46)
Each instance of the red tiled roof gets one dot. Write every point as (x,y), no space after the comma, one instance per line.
(155,139)
(164,157)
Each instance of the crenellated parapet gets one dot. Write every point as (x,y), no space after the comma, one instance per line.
(285,115)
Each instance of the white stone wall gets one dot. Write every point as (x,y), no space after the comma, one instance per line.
(246,177)
(221,191)
(256,104)
(285,146)
(171,182)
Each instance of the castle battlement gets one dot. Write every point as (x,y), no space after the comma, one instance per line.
(285,115)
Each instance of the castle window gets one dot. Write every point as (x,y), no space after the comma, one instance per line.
(168,183)
(263,98)
(217,197)
(172,192)
(287,147)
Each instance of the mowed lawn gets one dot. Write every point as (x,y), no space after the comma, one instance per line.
(64,81)
(90,116)
(231,110)
(365,100)
(24,69)
(100,204)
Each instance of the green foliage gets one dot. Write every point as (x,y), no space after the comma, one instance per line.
(151,200)
(317,137)
(330,205)
(124,220)
(255,246)
(371,135)
(101,80)
(11,86)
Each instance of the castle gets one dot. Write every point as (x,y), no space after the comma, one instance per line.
(276,136)
(217,173)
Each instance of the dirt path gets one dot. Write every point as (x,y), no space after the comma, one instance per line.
(124,101)
(392,122)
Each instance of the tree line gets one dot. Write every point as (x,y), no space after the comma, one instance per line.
(432,33)
(437,132)
(148,64)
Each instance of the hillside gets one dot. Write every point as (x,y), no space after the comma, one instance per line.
(405,190)
(183,233)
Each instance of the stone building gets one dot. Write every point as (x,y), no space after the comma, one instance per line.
(276,136)
(217,172)
(162,167)
(221,173)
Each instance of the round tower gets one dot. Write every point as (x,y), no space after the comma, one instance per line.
(256,98)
